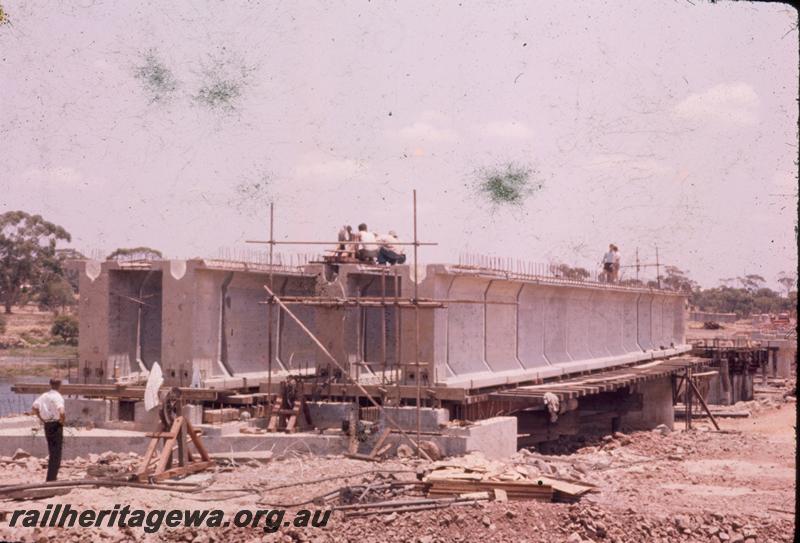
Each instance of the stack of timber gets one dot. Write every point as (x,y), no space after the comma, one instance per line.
(515,483)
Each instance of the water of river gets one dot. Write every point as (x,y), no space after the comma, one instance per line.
(12,403)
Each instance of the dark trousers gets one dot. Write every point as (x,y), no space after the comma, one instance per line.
(367,256)
(54,432)
(386,256)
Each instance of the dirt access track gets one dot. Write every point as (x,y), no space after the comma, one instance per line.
(737,485)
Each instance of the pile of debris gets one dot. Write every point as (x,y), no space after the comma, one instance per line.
(107,464)
(589,523)
(448,483)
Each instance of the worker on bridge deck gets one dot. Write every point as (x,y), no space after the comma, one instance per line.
(390,252)
(611,264)
(368,248)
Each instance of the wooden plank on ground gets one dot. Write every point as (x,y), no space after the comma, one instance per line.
(182,471)
(564,490)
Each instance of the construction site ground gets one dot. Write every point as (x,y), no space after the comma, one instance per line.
(737,485)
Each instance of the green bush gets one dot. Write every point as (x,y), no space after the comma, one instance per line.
(66,327)
(33,338)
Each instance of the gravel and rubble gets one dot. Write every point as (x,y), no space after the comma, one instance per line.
(736,485)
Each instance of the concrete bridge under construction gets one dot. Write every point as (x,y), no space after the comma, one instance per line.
(461,327)
(470,358)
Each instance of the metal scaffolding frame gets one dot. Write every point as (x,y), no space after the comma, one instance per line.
(413,302)
(510,268)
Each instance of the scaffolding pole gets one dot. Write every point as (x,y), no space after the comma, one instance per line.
(270,309)
(416,323)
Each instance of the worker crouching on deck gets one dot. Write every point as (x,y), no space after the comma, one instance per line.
(389,252)
(49,407)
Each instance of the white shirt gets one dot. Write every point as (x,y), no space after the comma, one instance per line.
(388,241)
(616,258)
(368,240)
(608,258)
(50,405)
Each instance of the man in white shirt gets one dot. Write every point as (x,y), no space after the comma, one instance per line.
(368,248)
(608,263)
(389,253)
(49,407)
(617,258)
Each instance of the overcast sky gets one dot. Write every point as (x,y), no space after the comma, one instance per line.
(657,123)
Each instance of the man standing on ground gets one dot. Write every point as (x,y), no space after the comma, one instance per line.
(49,407)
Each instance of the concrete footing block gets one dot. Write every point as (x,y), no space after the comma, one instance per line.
(19,421)
(431,419)
(225,429)
(495,438)
(325,415)
(143,418)
(87,411)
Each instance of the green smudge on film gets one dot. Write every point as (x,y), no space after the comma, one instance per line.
(506,185)
(156,76)
(219,94)
(224,76)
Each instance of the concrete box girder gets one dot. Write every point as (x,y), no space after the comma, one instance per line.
(496,329)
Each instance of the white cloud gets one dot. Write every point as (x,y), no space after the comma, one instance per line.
(508,129)
(430,127)
(627,164)
(735,103)
(421,131)
(336,168)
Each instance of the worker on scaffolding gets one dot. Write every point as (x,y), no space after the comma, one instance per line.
(345,249)
(368,248)
(390,252)
(345,234)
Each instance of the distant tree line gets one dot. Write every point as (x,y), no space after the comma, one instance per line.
(749,298)
(34,270)
(744,295)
